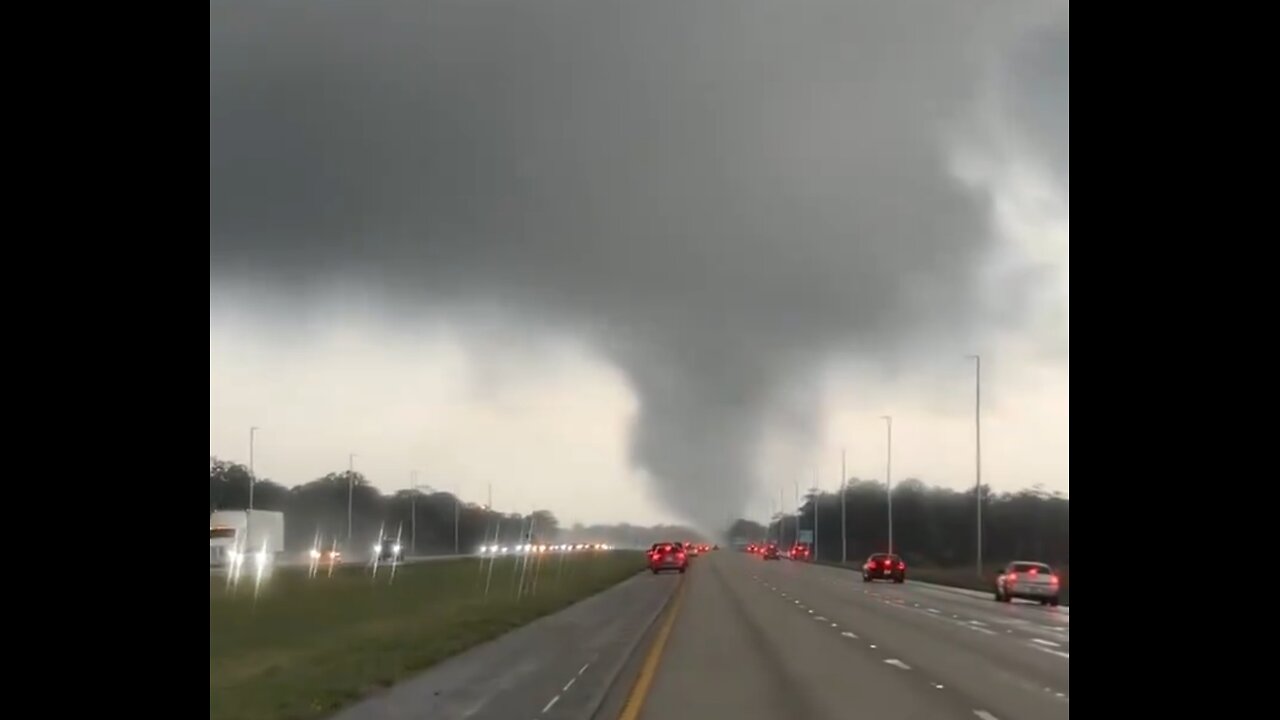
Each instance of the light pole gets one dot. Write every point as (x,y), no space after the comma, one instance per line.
(782,515)
(817,496)
(977,445)
(351,491)
(888,474)
(413,512)
(456,512)
(844,537)
(795,536)
(252,432)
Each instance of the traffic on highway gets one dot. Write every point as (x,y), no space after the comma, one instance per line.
(639,360)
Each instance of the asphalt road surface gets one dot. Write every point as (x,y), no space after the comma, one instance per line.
(747,638)
(559,667)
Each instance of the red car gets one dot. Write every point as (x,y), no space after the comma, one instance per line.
(770,552)
(801,551)
(667,556)
(884,566)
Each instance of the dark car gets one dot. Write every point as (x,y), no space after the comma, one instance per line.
(884,566)
(770,552)
(801,551)
(668,556)
(389,550)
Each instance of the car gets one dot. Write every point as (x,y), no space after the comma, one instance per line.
(801,551)
(752,548)
(691,549)
(884,566)
(770,552)
(668,556)
(715,547)
(389,550)
(1028,580)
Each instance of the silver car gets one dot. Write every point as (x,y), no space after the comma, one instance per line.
(1028,580)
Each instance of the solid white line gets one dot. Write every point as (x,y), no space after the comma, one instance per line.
(849,635)
(1050,643)
(553,702)
(897,663)
(569,684)
(584,668)
(985,715)
(1051,651)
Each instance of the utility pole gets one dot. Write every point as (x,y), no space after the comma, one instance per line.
(844,536)
(817,495)
(413,512)
(351,491)
(888,475)
(977,444)
(252,431)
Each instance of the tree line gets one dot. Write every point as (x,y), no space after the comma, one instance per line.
(932,526)
(318,510)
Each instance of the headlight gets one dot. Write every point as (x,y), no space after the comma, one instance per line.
(315,554)
(377,548)
(396,549)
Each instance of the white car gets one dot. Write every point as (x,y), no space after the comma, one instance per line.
(1028,580)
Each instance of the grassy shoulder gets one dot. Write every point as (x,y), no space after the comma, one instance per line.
(968,579)
(307,646)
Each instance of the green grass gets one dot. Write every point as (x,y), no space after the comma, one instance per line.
(968,579)
(307,646)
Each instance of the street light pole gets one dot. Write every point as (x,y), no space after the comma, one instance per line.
(252,432)
(844,537)
(817,495)
(888,475)
(456,512)
(351,491)
(977,445)
(413,512)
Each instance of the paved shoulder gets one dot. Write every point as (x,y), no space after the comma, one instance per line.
(556,667)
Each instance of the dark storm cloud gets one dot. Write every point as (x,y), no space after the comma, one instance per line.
(715,193)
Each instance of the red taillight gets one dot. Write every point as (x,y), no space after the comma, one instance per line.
(902,565)
(680,555)
(1033,571)
(1012,577)
(1053,579)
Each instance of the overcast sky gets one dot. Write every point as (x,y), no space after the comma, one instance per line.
(640,261)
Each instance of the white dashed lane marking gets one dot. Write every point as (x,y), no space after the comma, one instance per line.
(985,715)
(551,704)
(897,663)
(1050,643)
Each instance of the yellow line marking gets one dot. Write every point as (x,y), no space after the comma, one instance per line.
(640,690)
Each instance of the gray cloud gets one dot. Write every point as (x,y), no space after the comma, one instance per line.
(716,194)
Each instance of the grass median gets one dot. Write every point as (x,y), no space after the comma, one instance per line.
(305,647)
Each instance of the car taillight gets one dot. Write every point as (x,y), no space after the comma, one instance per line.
(1053,579)
(1012,577)
(902,565)
(680,555)
(1033,571)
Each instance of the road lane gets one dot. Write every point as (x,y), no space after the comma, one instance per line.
(740,650)
(556,668)
(1012,661)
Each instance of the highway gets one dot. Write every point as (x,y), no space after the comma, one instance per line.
(559,667)
(747,638)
